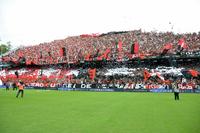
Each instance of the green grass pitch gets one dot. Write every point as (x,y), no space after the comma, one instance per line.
(98,112)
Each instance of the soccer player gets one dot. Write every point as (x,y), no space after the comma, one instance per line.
(20,89)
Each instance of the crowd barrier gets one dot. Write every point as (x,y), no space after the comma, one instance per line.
(118,88)
(107,88)
(128,90)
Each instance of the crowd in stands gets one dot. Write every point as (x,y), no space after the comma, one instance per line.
(57,76)
(43,63)
(80,48)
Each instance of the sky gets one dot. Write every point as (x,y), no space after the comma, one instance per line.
(30,22)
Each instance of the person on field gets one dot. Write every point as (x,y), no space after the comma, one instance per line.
(14,85)
(20,89)
(7,86)
(176,90)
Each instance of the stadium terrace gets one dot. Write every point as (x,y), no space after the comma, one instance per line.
(132,59)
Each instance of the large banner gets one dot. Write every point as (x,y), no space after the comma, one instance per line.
(111,87)
(125,88)
(42,86)
(101,87)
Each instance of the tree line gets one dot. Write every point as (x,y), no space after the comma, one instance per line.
(4,47)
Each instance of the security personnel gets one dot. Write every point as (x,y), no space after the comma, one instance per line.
(176,90)
(20,89)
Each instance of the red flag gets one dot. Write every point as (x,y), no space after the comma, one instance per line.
(193,72)
(168,46)
(61,52)
(147,75)
(136,48)
(182,43)
(92,73)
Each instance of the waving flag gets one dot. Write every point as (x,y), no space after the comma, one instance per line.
(147,75)
(92,73)
(166,48)
(160,76)
(193,72)
(182,44)
(63,51)
(135,48)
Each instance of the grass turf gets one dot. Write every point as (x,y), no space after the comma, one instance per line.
(98,112)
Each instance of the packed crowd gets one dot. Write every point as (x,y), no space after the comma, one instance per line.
(80,48)
(57,76)
(51,64)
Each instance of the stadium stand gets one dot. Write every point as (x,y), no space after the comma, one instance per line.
(133,57)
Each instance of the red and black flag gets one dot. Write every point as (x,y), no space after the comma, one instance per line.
(147,75)
(190,73)
(63,51)
(166,48)
(135,48)
(182,45)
